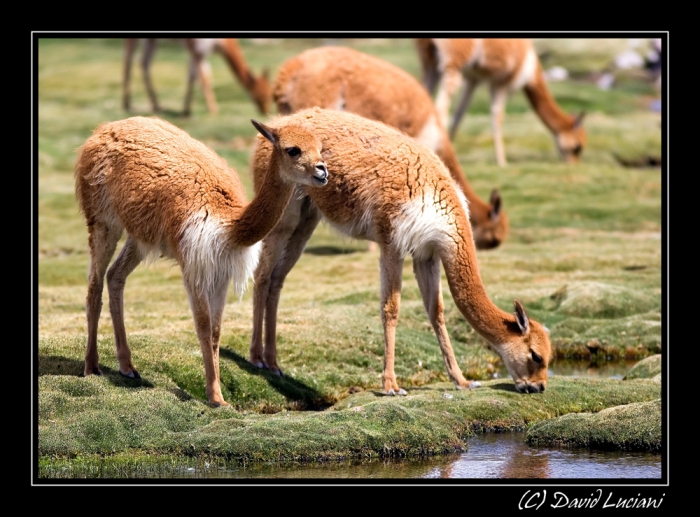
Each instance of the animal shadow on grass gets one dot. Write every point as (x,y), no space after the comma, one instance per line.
(504,386)
(164,113)
(302,396)
(57,365)
(329,250)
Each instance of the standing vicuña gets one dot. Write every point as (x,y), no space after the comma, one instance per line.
(386,187)
(345,79)
(199,49)
(505,65)
(176,198)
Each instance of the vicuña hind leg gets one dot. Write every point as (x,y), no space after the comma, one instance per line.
(428,276)
(103,242)
(149,48)
(204,325)
(126,262)
(499,96)
(391,266)
(129,48)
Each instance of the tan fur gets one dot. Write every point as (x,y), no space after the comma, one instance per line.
(346,79)
(505,65)
(176,198)
(386,187)
(199,49)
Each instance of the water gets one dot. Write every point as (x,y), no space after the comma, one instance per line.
(489,456)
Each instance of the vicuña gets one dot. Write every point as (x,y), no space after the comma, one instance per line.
(199,49)
(385,187)
(176,198)
(346,79)
(505,65)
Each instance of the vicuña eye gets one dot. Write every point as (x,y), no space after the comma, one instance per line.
(293,151)
(537,358)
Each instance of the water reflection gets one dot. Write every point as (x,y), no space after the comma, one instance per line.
(599,370)
(507,456)
(490,456)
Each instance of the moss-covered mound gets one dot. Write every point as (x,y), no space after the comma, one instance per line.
(634,427)
(647,368)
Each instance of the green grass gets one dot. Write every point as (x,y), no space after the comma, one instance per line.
(584,256)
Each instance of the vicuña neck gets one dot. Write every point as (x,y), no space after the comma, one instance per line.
(545,106)
(468,292)
(478,208)
(265,210)
(234,57)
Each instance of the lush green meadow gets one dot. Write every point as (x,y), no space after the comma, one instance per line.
(584,256)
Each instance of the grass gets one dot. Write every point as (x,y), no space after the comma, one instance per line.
(584,256)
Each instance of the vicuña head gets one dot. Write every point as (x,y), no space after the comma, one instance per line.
(346,79)
(570,137)
(385,187)
(258,86)
(176,198)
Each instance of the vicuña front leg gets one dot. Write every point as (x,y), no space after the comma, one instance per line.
(465,100)
(428,276)
(391,265)
(451,82)
(272,249)
(308,220)
(281,250)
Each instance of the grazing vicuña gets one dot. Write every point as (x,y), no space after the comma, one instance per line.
(385,187)
(505,65)
(199,49)
(349,80)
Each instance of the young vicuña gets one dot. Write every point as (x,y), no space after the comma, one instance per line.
(385,187)
(346,79)
(505,65)
(176,198)
(199,49)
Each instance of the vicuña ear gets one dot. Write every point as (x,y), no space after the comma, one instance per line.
(579,119)
(496,205)
(266,131)
(521,318)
